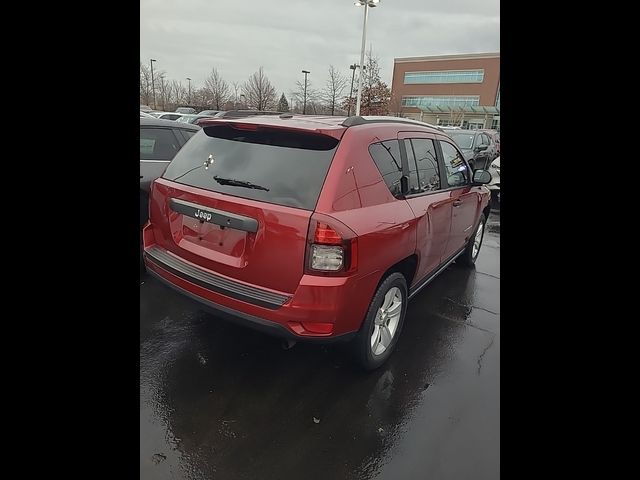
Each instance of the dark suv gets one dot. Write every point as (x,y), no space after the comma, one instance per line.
(478,147)
(315,228)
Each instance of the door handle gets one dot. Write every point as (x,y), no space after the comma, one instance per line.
(457,203)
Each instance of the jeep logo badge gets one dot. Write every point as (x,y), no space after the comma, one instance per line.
(203,215)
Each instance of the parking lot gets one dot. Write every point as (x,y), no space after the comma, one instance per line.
(221,401)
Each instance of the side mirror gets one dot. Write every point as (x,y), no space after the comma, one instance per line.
(481,177)
(481,148)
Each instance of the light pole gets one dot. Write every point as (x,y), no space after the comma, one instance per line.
(352,67)
(153,87)
(304,104)
(353,75)
(366,4)
(189,90)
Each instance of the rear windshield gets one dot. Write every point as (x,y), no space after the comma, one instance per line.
(269,165)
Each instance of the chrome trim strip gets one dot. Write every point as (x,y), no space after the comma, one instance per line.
(215,283)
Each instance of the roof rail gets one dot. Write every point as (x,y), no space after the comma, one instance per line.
(359,120)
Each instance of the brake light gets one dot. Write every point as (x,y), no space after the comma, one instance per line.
(331,247)
(326,235)
(244,126)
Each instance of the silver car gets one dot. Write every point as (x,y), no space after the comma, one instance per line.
(160,140)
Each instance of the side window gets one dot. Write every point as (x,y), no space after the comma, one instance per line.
(485,139)
(457,170)
(386,156)
(428,171)
(158,144)
(414,183)
(187,134)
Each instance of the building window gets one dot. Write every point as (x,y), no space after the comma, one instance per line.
(440,101)
(445,76)
(495,124)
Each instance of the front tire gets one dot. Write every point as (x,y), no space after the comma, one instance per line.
(383,323)
(471,252)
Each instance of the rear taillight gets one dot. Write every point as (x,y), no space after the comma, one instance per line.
(332,248)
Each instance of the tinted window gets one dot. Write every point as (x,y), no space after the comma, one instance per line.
(485,139)
(188,134)
(414,183)
(157,144)
(457,170)
(386,156)
(428,170)
(291,165)
(463,139)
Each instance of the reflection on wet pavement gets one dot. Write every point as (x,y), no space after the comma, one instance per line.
(221,401)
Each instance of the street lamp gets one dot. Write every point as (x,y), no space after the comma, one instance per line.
(189,90)
(153,87)
(366,4)
(304,105)
(352,67)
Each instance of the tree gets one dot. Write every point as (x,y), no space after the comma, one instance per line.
(332,92)
(217,90)
(146,96)
(376,95)
(259,92)
(311,100)
(283,105)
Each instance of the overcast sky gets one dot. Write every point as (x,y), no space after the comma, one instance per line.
(189,37)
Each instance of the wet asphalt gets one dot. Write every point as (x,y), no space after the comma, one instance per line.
(218,401)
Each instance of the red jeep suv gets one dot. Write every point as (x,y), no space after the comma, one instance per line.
(315,228)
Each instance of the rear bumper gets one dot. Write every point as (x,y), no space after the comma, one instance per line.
(324,309)
(251,321)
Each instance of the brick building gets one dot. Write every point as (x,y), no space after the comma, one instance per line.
(461,90)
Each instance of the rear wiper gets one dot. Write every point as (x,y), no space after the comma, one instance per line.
(238,183)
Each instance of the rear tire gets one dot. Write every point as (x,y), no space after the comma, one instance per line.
(382,326)
(471,252)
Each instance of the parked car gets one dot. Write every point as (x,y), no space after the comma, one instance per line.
(244,113)
(160,140)
(209,112)
(495,136)
(315,230)
(145,108)
(169,115)
(192,118)
(145,114)
(184,110)
(478,148)
(494,185)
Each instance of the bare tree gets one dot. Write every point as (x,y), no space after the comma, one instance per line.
(259,92)
(163,87)
(332,92)
(217,88)
(237,88)
(179,95)
(313,98)
(376,95)
(145,85)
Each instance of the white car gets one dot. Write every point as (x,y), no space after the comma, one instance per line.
(494,186)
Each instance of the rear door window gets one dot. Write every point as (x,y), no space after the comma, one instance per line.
(424,151)
(158,144)
(386,156)
(271,165)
